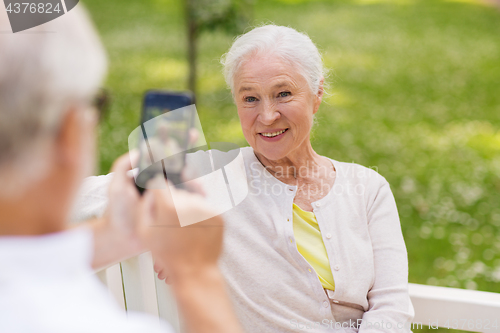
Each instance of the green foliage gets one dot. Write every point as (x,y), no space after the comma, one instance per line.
(231,16)
(414,92)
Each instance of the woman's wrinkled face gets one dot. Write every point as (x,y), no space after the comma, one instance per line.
(275,105)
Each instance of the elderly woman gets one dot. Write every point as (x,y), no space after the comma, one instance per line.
(316,244)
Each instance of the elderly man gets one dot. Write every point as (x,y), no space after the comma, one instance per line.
(47,123)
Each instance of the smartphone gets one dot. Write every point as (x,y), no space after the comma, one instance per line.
(166,120)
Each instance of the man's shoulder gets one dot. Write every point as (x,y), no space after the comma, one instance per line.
(92,198)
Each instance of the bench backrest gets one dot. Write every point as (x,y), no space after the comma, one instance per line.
(136,288)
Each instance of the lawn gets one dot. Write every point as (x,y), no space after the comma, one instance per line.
(414,92)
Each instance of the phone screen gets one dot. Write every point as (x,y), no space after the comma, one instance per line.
(166,120)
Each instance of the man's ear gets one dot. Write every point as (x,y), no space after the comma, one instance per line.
(319,95)
(68,141)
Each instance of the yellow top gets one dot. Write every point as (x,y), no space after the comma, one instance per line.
(310,245)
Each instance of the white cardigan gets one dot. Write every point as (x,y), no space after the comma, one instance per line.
(272,286)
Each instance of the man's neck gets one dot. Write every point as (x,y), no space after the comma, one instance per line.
(17,221)
(35,212)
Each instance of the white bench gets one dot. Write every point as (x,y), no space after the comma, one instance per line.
(135,286)
(466,310)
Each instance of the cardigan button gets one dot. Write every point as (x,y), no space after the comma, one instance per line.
(325,304)
(328,236)
(337,267)
(317,204)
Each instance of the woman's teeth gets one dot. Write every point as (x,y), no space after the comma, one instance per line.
(270,135)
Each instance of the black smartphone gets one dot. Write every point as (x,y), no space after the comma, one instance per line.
(166,120)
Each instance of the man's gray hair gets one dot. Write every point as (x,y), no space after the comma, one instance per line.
(43,72)
(281,41)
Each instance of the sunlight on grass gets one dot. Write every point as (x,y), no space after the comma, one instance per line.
(166,69)
(486,142)
(392,2)
(228,132)
(414,92)
(356,60)
(474,2)
(479,135)
(212,83)
(292,2)
(338,98)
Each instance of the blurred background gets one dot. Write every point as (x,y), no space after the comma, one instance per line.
(414,92)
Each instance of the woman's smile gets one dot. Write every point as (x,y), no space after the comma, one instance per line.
(273,135)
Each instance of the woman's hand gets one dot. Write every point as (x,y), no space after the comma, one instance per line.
(162,271)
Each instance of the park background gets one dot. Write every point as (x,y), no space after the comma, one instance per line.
(414,91)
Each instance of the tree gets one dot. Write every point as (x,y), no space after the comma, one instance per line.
(231,16)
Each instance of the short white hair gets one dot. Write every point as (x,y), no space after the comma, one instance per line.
(43,72)
(282,41)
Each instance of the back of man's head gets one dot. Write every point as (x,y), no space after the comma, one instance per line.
(43,72)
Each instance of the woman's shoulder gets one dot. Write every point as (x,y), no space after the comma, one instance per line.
(355,173)
(366,183)
(219,155)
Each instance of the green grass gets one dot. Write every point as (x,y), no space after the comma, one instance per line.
(414,91)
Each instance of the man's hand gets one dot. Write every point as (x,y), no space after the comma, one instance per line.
(179,248)
(116,233)
(191,254)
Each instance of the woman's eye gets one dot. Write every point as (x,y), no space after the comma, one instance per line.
(250,99)
(284,94)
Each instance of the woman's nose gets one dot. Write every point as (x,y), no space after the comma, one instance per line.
(269,114)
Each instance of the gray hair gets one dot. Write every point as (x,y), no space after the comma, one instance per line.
(285,42)
(43,72)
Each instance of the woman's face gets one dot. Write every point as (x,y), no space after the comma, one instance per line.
(275,106)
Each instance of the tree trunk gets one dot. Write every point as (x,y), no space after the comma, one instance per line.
(192,35)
